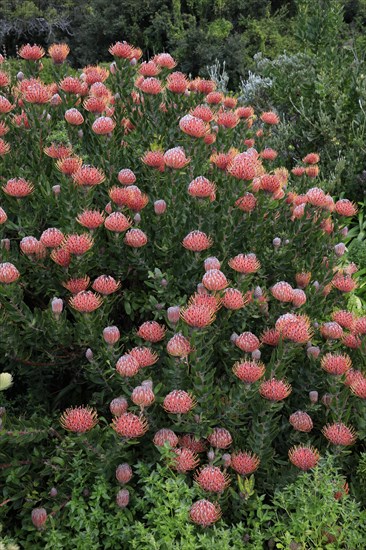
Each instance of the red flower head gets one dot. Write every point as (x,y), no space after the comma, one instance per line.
(298,171)
(39,517)
(203,112)
(212,479)
(344,207)
(127,365)
(85,301)
(51,237)
(58,53)
(165,436)
(339,434)
(351,341)
(58,150)
(197,241)
(189,441)
(311,158)
(5,105)
(164,60)
(220,438)
(214,280)
(91,219)
(151,331)
(227,119)
(301,421)
(249,371)
(304,457)
(31,53)
(247,341)
(79,419)
(61,256)
(18,188)
(8,273)
(358,386)
(150,85)
(268,154)
(233,299)
(78,244)
(198,316)
(316,197)
(149,68)
(122,498)
(243,167)
(111,335)
(74,117)
(103,125)
(143,396)
(4,216)
(211,263)
(298,298)
(179,346)
(123,473)
(336,363)
(135,238)
(344,318)
(117,222)
(177,83)
(245,263)
(331,330)
(126,176)
(184,460)
(244,462)
(176,158)
(270,118)
(283,292)
(105,284)
(205,513)
(130,426)
(202,188)
(69,165)
(270,183)
(303,279)
(118,406)
(144,356)
(275,390)
(121,50)
(179,402)
(88,176)
(154,159)
(360,326)
(71,85)
(214,98)
(344,283)
(246,203)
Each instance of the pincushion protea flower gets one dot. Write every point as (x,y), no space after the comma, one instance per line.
(8,273)
(95,74)
(179,402)
(88,176)
(179,346)
(58,150)
(144,356)
(127,365)
(69,165)
(105,285)
(301,421)
(31,53)
(247,341)
(123,498)
(183,460)
(103,125)
(58,52)
(233,299)
(271,337)
(344,207)
(78,244)
(5,105)
(202,188)
(212,479)
(176,158)
(220,438)
(126,176)
(197,241)
(117,222)
(39,518)
(4,147)
(18,188)
(77,285)
(154,159)
(245,263)
(151,331)
(143,396)
(214,280)
(275,390)
(3,216)
(336,363)
(197,316)
(123,473)
(91,219)
(243,167)
(85,301)
(193,126)
(339,434)
(190,441)
(331,330)
(74,117)
(283,292)
(111,335)
(249,371)
(79,419)
(135,238)
(344,318)
(118,406)
(246,203)
(122,50)
(130,426)
(205,513)
(165,436)
(358,386)
(304,457)
(244,462)
(270,117)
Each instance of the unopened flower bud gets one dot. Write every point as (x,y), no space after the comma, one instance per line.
(5,243)
(159,307)
(211,456)
(113,67)
(108,208)
(215,129)
(55,100)
(327,399)
(313,396)
(57,306)
(159,207)
(133,62)
(89,355)
(226,459)
(123,498)
(340,249)
(48,117)
(118,406)
(80,134)
(173,314)
(256,354)
(39,517)
(56,190)
(316,285)
(187,93)
(344,231)
(234,337)
(20,76)
(6,381)
(201,289)
(313,352)
(147,383)
(276,242)
(53,492)
(164,282)
(258,293)
(137,218)
(117,96)
(287,241)
(111,335)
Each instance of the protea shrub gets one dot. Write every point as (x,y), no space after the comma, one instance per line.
(203,255)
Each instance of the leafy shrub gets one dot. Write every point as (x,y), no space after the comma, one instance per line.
(251,367)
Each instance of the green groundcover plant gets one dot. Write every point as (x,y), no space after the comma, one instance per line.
(176,318)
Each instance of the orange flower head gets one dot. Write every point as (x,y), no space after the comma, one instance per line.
(205,513)
(31,53)
(304,457)
(58,53)
(79,419)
